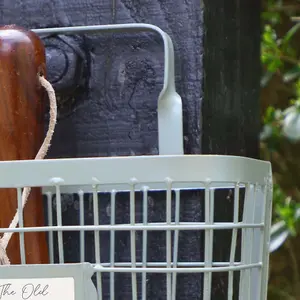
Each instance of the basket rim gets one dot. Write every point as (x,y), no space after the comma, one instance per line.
(121,157)
(134,170)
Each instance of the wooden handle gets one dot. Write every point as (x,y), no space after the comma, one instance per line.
(22,107)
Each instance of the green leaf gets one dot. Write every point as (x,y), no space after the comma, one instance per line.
(273,64)
(292,74)
(297,89)
(269,36)
(272,17)
(269,115)
(290,33)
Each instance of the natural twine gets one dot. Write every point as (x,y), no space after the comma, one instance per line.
(4,260)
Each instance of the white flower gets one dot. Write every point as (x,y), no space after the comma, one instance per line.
(266,132)
(291,124)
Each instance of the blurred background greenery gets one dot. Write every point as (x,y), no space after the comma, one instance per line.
(280,139)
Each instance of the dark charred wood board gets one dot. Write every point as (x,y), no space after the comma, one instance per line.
(116,112)
(230,111)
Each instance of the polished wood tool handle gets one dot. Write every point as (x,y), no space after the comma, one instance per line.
(22,108)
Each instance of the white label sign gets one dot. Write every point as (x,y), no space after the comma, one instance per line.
(37,289)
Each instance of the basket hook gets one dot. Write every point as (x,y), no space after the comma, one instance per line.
(169,111)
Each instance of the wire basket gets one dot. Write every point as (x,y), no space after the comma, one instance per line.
(134,185)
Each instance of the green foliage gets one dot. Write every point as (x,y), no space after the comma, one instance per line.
(279,57)
(280,136)
(286,209)
(270,51)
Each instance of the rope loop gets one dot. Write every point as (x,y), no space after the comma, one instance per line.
(4,260)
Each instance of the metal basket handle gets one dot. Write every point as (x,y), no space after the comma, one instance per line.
(169,111)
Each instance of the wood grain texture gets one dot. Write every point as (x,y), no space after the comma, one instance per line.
(22,58)
(231,121)
(231,117)
(115,114)
(118,115)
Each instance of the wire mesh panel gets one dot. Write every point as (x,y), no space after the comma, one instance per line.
(111,227)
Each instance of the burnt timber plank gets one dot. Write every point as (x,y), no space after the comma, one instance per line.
(230,110)
(114,111)
(231,121)
(118,116)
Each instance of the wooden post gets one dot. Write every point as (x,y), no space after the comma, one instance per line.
(231,108)
(231,118)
